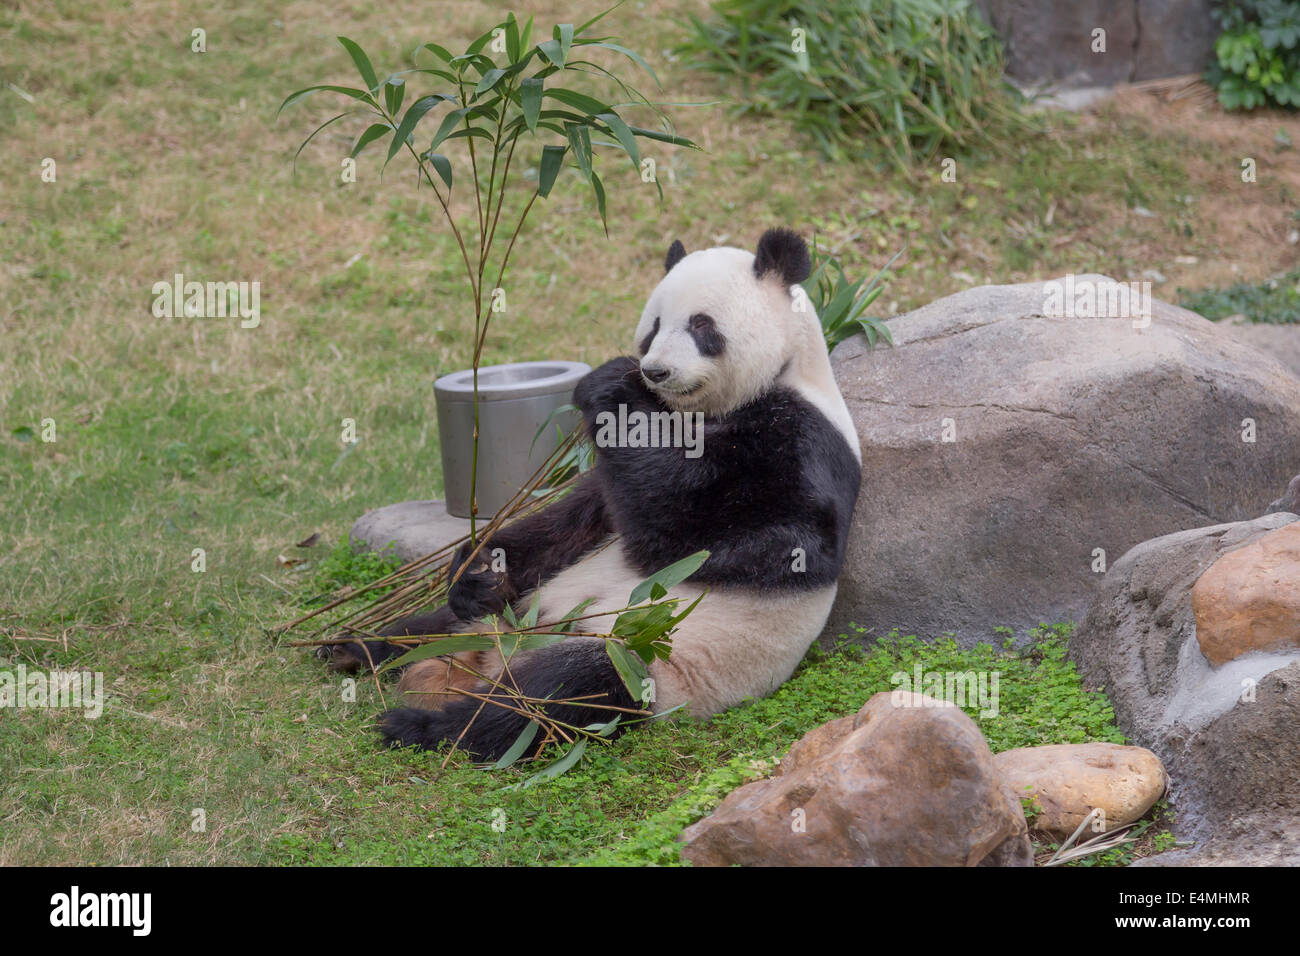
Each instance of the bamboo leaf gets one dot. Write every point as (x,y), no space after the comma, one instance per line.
(440,52)
(449,123)
(530,619)
(600,16)
(345,90)
(522,742)
(605,729)
(442,166)
(567,620)
(663,137)
(564,34)
(630,54)
(476,47)
(580,140)
(624,136)
(551,50)
(362,63)
(394,91)
(674,574)
(440,647)
(414,114)
(371,134)
(549,168)
(477,132)
(599,189)
(313,135)
(489,80)
(550,772)
(631,669)
(579,101)
(530,99)
(512,38)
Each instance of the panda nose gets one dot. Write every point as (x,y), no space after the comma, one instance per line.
(654,373)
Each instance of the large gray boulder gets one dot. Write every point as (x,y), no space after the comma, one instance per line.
(1280,341)
(1053,41)
(1072,440)
(1228,733)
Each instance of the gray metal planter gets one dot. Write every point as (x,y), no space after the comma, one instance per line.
(514,401)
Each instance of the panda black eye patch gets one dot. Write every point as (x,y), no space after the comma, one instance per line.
(645,342)
(707,338)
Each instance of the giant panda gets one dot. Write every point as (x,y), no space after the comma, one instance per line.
(770,494)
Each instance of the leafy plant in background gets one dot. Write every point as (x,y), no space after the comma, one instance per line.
(840,304)
(1257,54)
(1275,301)
(909,76)
(490,107)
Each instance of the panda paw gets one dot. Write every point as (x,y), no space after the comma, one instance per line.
(475,594)
(354,656)
(341,658)
(608,385)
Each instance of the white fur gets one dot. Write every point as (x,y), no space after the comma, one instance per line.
(767,328)
(736,644)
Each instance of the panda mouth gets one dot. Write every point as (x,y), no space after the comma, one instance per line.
(681,392)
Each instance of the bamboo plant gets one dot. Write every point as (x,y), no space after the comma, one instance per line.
(502,92)
(503,98)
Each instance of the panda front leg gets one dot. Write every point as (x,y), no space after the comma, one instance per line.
(525,554)
(531,550)
(576,668)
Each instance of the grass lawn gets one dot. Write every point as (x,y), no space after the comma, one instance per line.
(177,434)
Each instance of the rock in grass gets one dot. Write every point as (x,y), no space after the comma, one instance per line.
(908,781)
(1249,599)
(1068,781)
(409,529)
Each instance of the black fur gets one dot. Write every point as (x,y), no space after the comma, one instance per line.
(577,667)
(707,338)
(363,655)
(784,252)
(774,476)
(676,253)
(650,337)
(538,547)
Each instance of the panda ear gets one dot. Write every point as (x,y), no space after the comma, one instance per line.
(676,253)
(784,252)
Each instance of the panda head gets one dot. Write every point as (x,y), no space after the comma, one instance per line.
(724,323)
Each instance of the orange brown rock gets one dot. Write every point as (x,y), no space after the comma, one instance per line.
(1249,599)
(1068,781)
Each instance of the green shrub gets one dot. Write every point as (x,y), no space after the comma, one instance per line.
(1274,300)
(1258,54)
(350,564)
(909,76)
(841,304)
